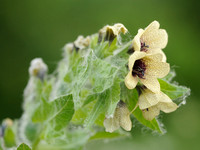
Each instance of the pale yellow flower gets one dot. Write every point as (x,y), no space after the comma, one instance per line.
(38,68)
(151,103)
(146,68)
(151,39)
(110,32)
(121,118)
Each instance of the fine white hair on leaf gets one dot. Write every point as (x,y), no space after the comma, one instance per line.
(183,98)
(109,116)
(145,130)
(21,129)
(161,125)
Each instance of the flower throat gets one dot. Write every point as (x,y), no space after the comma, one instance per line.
(139,69)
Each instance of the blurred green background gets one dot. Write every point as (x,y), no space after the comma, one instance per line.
(40,28)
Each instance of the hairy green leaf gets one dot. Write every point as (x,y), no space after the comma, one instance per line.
(92,73)
(98,108)
(31,130)
(106,103)
(73,139)
(154,124)
(103,75)
(94,41)
(106,48)
(23,147)
(174,91)
(57,113)
(114,97)
(101,49)
(82,113)
(107,135)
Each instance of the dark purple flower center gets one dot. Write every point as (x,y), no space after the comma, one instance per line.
(139,68)
(144,47)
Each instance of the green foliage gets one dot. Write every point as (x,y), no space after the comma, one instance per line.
(23,147)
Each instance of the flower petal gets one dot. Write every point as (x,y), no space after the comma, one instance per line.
(118,28)
(124,116)
(135,56)
(168,107)
(111,124)
(148,99)
(154,57)
(157,50)
(155,37)
(152,26)
(158,69)
(125,123)
(155,66)
(151,113)
(164,59)
(131,81)
(151,83)
(166,104)
(136,40)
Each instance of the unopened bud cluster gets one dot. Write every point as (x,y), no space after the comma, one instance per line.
(38,68)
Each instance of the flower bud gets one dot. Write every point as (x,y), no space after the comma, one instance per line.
(38,68)
(110,32)
(82,42)
(6,123)
(121,118)
(68,47)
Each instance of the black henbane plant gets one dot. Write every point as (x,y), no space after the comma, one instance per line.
(99,89)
